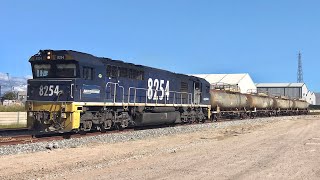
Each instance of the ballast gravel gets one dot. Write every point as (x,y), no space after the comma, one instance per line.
(133,135)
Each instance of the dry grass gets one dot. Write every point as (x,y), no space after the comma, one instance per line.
(13,126)
(13,108)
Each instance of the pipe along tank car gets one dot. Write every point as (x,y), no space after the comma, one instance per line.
(75,91)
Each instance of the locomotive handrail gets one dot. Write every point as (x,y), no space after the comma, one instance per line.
(135,94)
(189,96)
(252,91)
(225,86)
(189,99)
(115,91)
(71,90)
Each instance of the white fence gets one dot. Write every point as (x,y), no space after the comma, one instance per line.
(7,118)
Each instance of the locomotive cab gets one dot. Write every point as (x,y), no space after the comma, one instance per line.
(52,91)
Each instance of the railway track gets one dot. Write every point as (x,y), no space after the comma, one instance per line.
(14,132)
(28,137)
(9,137)
(6,130)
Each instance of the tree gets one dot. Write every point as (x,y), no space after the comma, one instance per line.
(10,95)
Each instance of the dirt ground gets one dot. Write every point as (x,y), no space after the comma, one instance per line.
(288,149)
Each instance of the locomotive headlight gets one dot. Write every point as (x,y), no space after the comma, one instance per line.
(48,57)
(49,53)
(64,115)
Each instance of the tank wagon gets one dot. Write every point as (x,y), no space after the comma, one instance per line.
(74,91)
(229,103)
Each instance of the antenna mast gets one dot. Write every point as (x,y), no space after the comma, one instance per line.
(300,72)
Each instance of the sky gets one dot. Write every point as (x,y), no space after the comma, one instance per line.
(258,37)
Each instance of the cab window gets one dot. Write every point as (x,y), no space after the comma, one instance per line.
(42,70)
(66,70)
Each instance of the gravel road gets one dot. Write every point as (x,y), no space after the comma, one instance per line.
(266,148)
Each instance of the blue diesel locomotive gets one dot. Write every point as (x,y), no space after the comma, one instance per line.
(74,91)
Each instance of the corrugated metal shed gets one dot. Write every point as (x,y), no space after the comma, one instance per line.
(243,81)
(317,98)
(291,90)
(279,84)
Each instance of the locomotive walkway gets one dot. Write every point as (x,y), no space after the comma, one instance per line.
(287,149)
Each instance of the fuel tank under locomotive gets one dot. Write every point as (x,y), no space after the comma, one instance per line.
(156,116)
(228,100)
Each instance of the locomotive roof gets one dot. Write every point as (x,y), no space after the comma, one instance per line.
(89,58)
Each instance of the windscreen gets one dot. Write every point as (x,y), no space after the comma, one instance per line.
(55,70)
(42,70)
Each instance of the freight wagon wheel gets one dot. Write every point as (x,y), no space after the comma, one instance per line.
(215,117)
(212,118)
(243,115)
(253,115)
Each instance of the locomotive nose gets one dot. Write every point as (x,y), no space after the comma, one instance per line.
(53,90)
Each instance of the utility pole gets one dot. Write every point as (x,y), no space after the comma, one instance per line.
(300,72)
(10,85)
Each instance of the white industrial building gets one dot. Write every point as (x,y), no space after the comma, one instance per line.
(317,98)
(243,81)
(291,90)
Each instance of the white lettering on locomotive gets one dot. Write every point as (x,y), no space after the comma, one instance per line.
(91,91)
(158,86)
(60,57)
(48,90)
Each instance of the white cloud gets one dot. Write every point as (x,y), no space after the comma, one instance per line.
(28,77)
(15,83)
(3,76)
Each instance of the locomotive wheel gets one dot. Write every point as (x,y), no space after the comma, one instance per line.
(124,123)
(86,126)
(107,124)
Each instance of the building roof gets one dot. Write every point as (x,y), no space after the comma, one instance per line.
(222,78)
(265,85)
(22,93)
